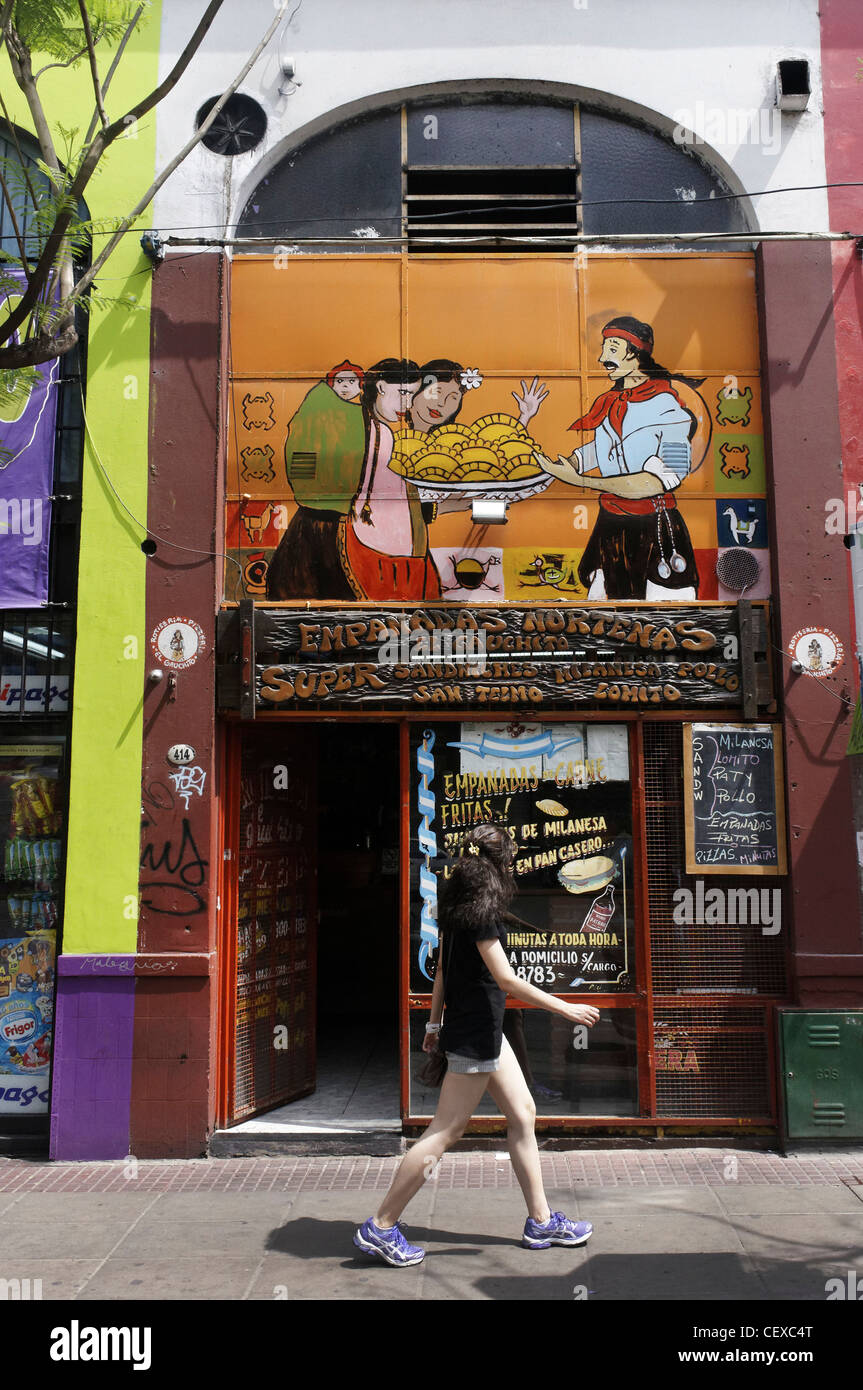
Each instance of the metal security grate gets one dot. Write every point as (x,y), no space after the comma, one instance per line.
(711,1061)
(274,1055)
(710,953)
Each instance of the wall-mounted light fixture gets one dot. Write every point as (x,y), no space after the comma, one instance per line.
(484,512)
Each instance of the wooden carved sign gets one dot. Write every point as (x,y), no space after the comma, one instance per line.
(629,657)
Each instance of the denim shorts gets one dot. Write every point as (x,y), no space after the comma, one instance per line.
(466,1066)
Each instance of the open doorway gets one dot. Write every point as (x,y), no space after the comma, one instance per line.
(358,886)
(312,1040)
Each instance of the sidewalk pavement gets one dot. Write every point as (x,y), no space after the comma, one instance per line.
(707,1224)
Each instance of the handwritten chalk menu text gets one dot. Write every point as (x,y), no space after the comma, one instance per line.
(735,812)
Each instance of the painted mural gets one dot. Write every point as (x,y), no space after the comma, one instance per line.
(610,407)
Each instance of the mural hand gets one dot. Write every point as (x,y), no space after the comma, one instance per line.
(531,399)
(565,469)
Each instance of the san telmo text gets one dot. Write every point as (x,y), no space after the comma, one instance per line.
(450,684)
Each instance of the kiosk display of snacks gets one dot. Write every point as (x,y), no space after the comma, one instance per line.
(31,824)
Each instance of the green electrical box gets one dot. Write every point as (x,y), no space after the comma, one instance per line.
(821,1060)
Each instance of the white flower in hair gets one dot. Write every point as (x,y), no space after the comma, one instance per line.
(471,378)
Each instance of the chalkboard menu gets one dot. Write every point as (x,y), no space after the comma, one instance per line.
(733,798)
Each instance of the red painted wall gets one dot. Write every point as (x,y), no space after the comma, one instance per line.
(810,582)
(174,1053)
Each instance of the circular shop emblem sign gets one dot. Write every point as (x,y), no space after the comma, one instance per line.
(178,642)
(817,649)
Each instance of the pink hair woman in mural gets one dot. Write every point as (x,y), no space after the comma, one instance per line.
(642,450)
(388,515)
(383,541)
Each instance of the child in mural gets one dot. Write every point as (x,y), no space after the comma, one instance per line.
(389,519)
(324,457)
(640,546)
(346,380)
(473,980)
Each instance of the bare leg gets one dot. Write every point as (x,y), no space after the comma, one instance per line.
(508,1089)
(459,1096)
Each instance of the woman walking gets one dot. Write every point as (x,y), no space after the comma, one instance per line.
(473,979)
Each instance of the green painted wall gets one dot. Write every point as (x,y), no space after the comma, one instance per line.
(104,813)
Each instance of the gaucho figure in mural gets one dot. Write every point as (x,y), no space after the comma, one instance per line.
(641,450)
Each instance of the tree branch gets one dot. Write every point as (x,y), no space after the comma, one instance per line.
(89,275)
(7,198)
(23,162)
(113,68)
(68,63)
(91,159)
(94,66)
(5,17)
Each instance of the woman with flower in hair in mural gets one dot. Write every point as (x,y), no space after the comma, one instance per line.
(384,541)
(641,449)
(471,983)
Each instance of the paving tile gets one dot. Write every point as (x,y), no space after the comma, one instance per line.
(263,1208)
(646,1276)
(82,1239)
(829,1235)
(181,1278)
(337,1277)
(750,1198)
(73,1207)
(242,1238)
(593,1202)
(61,1279)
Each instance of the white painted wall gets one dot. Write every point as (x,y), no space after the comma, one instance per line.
(669,62)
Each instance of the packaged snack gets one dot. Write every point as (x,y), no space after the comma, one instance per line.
(37,858)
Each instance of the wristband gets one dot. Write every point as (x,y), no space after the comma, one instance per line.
(433,1027)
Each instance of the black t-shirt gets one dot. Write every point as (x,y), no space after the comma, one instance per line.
(473,1021)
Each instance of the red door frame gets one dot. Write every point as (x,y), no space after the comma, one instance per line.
(641,999)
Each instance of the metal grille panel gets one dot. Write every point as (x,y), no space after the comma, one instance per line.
(708,954)
(711,1061)
(274,1057)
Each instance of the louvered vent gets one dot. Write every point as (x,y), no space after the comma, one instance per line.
(477,206)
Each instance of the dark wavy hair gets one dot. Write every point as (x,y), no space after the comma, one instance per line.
(393,369)
(646,363)
(479,889)
(443,369)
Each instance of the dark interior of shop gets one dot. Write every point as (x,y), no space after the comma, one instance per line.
(357,964)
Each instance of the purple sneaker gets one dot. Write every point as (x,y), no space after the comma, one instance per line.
(558,1230)
(388,1245)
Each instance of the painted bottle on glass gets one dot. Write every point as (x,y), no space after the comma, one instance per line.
(601,912)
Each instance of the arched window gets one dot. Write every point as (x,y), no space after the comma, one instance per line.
(462,174)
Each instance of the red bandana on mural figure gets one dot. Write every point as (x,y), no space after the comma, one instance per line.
(612,405)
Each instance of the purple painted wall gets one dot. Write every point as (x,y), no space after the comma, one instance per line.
(92,1076)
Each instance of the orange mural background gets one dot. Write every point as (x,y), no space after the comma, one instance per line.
(513,318)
